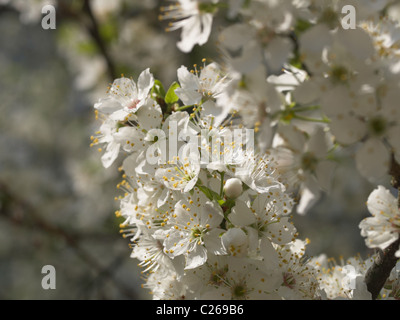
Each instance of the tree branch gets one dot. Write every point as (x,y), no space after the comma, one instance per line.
(15,209)
(86,17)
(385,261)
(377,274)
(93,28)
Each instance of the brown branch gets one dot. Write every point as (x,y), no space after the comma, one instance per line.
(385,260)
(93,28)
(395,173)
(377,274)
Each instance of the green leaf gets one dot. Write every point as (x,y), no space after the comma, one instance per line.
(206,191)
(212,195)
(221,202)
(302,26)
(158,90)
(171,96)
(215,195)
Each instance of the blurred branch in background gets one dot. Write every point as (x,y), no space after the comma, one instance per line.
(386,260)
(51,211)
(94,31)
(86,17)
(21,213)
(55,196)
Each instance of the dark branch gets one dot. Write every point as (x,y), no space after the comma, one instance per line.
(385,261)
(93,28)
(395,173)
(378,273)
(16,210)
(86,17)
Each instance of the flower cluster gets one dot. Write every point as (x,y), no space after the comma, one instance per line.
(212,218)
(215,165)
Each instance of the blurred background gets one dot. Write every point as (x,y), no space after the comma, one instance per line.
(56,200)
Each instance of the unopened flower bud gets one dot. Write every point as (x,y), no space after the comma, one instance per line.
(233,188)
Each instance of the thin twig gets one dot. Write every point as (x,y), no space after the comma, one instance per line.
(11,204)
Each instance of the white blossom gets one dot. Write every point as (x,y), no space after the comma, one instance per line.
(382,229)
(125,96)
(213,169)
(192,228)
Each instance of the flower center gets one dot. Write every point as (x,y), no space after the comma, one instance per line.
(289,280)
(309,161)
(239,291)
(339,74)
(330,17)
(395,221)
(133,104)
(198,232)
(217,276)
(377,126)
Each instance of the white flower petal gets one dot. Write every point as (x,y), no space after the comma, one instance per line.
(373,159)
(195,30)
(310,194)
(235,242)
(111,154)
(236,36)
(188,97)
(312,43)
(336,101)
(213,243)
(282,231)
(347,129)
(196,257)
(145,84)
(381,240)
(249,60)
(277,52)
(324,174)
(317,144)
(211,214)
(124,90)
(241,215)
(149,115)
(306,92)
(357,42)
(187,80)
(108,105)
(381,200)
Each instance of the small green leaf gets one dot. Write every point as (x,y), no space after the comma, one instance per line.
(206,191)
(296,61)
(215,195)
(302,26)
(158,90)
(171,96)
(212,195)
(221,202)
